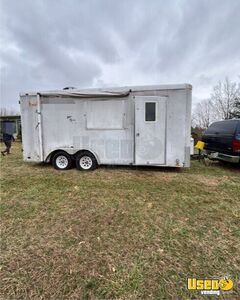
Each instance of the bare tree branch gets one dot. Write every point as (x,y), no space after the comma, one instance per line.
(203,114)
(223,98)
(8,112)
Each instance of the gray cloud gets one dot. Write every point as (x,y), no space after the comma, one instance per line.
(48,44)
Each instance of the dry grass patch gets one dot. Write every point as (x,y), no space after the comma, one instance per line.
(116,233)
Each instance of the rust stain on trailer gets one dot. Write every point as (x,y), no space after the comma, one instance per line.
(32,103)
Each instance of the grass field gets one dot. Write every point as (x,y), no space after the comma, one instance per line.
(117,232)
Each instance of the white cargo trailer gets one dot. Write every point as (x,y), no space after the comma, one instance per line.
(141,125)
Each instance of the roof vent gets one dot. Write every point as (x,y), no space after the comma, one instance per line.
(69,88)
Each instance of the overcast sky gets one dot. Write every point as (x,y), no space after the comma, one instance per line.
(51,44)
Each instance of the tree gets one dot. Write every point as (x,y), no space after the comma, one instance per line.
(236,109)
(224,97)
(203,115)
(224,103)
(8,112)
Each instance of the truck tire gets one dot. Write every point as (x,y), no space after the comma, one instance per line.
(86,161)
(61,161)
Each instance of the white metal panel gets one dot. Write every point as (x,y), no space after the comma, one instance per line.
(150,135)
(107,114)
(111,91)
(98,126)
(39,127)
(178,129)
(30,128)
(65,126)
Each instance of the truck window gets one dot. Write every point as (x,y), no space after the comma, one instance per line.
(150,111)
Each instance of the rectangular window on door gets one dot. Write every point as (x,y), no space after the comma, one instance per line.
(150,111)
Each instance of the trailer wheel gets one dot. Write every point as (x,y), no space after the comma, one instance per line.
(86,161)
(62,161)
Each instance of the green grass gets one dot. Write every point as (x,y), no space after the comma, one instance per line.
(117,232)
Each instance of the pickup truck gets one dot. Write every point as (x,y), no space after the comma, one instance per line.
(222,140)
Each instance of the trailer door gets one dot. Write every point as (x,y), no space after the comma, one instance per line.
(150,130)
(31,128)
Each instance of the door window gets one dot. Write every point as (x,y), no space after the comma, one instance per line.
(150,111)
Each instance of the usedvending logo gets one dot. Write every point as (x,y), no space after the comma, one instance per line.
(210,286)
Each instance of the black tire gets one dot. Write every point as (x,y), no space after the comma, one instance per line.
(65,158)
(86,161)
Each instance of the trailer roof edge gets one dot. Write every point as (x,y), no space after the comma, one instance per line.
(113,89)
